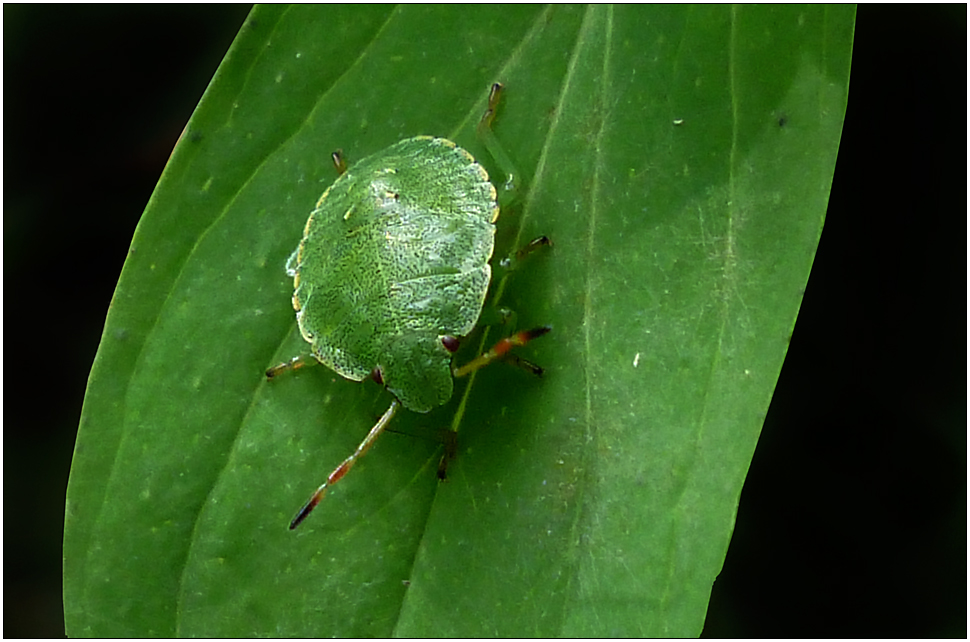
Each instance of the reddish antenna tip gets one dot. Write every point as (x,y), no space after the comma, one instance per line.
(299,518)
(309,506)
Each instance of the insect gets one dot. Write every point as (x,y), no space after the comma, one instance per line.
(392,272)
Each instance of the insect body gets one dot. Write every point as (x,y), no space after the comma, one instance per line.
(393,270)
(393,260)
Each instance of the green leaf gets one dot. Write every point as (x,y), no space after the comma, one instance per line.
(679,157)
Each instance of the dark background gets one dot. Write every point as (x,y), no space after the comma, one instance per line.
(853,518)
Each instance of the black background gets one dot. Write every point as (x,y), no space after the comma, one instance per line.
(853,518)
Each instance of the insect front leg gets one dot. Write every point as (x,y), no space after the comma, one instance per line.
(513,179)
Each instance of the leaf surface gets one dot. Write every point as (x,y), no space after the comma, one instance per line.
(679,157)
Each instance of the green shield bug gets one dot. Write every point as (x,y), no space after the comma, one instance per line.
(392,272)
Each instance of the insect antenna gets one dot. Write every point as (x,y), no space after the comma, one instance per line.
(347,464)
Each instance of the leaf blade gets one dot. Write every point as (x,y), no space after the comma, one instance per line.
(657,300)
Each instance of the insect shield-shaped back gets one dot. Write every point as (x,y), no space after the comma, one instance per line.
(394,257)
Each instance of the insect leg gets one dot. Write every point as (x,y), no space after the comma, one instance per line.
(500,349)
(450,438)
(510,262)
(513,180)
(347,464)
(338,162)
(293,364)
(525,364)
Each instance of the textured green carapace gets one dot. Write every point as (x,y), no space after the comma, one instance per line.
(393,258)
